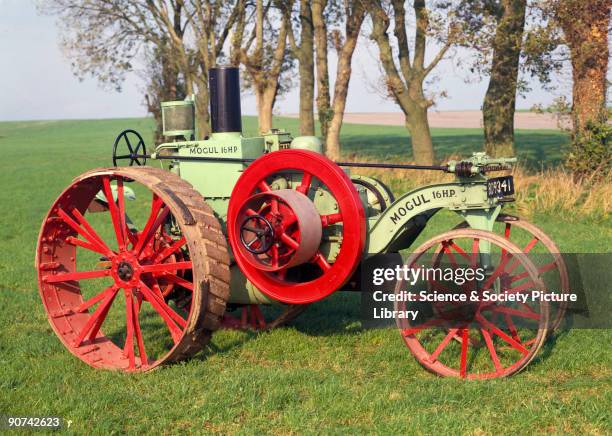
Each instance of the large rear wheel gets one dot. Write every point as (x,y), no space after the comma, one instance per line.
(95,272)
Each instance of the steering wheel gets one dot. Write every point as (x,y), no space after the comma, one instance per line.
(140,149)
(262,231)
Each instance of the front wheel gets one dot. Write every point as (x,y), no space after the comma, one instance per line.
(542,251)
(475,339)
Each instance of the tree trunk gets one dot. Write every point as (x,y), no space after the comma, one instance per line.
(323,97)
(500,99)
(202,112)
(265,105)
(420,136)
(306,70)
(343,77)
(585,25)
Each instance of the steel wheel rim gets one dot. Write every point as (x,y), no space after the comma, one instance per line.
(79,323)
(431,359)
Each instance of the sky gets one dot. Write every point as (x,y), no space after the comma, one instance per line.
(36,81)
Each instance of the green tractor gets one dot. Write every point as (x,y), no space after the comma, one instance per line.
(246,232)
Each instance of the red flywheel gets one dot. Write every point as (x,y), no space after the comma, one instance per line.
(296,226)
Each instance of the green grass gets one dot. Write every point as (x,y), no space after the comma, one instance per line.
(322,374)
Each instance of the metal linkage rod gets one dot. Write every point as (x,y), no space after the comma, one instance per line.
(342,164)
(393,166)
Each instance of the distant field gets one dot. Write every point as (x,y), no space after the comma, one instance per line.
(324,373)
(523,119)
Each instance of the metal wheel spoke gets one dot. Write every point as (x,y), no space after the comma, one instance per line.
(304,186)
(95,299)
(128,349)
(88,228)
(292,243)
(165,311)
(129,145)
(263,186)
(79,275)
(97,318)
(332,218)
(84,244)
(89,237)
(168,251)
(320,260)
(138,333)
(156,205)
(166,267)
(150,229)
(464,349)
(491,347)
(164,306)
(121,210)
(177,280)
(114,212)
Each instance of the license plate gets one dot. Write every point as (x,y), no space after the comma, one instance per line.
(500,187)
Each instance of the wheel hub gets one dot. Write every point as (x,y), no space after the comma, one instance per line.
(280,229)
(125,271)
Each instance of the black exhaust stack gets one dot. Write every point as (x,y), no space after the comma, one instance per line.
(224,86)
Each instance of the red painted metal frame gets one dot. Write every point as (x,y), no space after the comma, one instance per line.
(350,213)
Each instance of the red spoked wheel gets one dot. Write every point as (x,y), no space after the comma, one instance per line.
(286,212)
(550,263)
(95,273)
(469,339)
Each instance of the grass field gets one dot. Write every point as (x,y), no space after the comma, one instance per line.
(324,373)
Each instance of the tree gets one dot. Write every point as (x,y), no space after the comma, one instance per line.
(163,83)
(500,100)
(405,76)
(304,52)
(319,21)
(105,38)
(585,27)
(211,22)
(354,13)
(331,111)
(268,59)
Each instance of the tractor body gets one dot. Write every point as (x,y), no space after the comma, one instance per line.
(237,223)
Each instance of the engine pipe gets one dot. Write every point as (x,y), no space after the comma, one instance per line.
(225,112)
